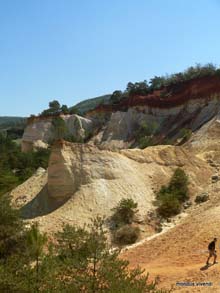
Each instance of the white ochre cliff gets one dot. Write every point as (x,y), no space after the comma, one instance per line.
(39,133)
(119,130)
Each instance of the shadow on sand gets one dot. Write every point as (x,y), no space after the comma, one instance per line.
(205,267)
(41,205)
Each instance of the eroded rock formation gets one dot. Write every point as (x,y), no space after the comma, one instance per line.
(39,131)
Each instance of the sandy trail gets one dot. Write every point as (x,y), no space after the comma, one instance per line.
(180,254)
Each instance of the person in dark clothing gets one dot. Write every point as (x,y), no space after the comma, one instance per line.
(212,251)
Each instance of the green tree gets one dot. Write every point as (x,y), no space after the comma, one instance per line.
(116,97)
(124,212)
(54,109)
(145,134)
(11,227)
(169,206)
(138,88)
(54,106)
(89,266)
(8,180)
(185,134)
(179,185)
(170,198)
(36,242)
(157,82)
(64,109)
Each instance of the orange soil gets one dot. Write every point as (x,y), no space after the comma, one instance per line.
(179,255)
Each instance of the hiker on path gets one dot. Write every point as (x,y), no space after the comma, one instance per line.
(212,251)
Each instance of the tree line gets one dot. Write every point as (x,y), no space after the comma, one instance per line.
(159,82)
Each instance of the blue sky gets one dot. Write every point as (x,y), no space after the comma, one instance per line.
(72,50)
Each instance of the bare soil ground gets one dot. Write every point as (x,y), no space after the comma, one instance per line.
(180,254)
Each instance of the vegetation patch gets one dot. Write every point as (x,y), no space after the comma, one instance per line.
(126,234)
(15,166)
(171,197)
(78,260)
(55,109)
(123,231)
(144,136)
(124,212)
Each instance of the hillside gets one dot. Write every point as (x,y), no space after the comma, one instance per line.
(83,181)
(138,120)
(10,121)
(179,255)
(12,126)
(90,104)
(130,149)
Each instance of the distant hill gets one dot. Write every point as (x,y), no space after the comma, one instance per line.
(11,126)
(8,121)
(90,104)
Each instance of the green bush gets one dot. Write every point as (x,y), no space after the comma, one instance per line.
(144,142)
(116,97)
(144,134)
(126,235)
(171,197)
(137,88)
(178,185)
(185,134)
(169,206)
(55,109)
(124,212)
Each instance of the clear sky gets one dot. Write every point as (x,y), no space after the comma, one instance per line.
(72,50)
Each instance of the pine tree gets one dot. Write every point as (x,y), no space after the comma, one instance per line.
(36,242)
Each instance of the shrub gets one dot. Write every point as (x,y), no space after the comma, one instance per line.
(126,235)
(137,88)
(169,206)
(170,198)
(157,82)
(116,97)
(185,134)
(178,185)
(124,212)
(144,134)
(146,129)
(55,109)
(144,142)
(201,198)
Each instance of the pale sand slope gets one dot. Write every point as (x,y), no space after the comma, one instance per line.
(85,181)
